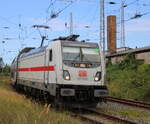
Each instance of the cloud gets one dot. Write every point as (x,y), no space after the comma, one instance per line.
(138,25)
(57,24)
(35,20)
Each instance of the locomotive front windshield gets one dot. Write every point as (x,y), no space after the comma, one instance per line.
(81,54)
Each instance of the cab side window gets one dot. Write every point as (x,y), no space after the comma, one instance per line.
(50,55)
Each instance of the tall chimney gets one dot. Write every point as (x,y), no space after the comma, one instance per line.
(111,34)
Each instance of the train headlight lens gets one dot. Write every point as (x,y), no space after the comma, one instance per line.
(96,79)
(67,78)
(66,75)
(97,76)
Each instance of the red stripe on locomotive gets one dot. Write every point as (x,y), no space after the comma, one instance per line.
(43,68)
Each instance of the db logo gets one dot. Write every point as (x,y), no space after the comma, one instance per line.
(82,73)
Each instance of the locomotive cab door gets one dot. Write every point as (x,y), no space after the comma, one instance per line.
(50,74)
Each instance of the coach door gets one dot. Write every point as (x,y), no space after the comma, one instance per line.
(50,74)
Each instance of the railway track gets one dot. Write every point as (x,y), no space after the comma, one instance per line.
(129,102)
(95,117)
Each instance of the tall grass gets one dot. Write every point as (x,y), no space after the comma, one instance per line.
(16,109)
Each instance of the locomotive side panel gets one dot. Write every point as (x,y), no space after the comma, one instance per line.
(29,68)
(31,71)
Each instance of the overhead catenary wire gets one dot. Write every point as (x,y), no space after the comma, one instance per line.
(8,21)
(138,13)
(91,22)
(54,1)
(18,26)
(51,4)
(54,15)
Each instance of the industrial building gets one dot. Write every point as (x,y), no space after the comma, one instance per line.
(140,54)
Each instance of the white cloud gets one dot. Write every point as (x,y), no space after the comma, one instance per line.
(35,20)
(138,25)
(57,24)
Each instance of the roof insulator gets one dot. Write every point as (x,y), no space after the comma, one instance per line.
(68,38)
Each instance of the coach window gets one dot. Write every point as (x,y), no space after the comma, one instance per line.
(50,55)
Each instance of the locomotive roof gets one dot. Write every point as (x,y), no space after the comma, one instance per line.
(33,51)
(64,43)
(79,44)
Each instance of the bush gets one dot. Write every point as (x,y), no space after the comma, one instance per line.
(129,79)
(5,71)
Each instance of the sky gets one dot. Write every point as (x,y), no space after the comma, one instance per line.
(18,16)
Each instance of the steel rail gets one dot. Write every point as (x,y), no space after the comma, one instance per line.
(83,118)
(101,116)
(129,102)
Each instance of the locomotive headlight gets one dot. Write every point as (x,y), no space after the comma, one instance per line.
(66,75)
(67,78)
(96,79)
(97,76)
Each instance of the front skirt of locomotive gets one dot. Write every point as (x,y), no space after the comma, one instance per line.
(77,95)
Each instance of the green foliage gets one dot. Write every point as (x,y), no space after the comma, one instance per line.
(129,79)
(5,71)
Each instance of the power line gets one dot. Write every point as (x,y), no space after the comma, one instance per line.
(8,20)
(51,4)
(55,15)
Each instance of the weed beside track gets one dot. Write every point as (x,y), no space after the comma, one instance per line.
(17,109)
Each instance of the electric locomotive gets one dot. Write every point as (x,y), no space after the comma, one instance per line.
(69,71)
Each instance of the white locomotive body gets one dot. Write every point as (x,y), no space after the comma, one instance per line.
(70,72)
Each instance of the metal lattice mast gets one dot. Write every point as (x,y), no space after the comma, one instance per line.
(102,37)
(102,24)
(122,25)
(71,24)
